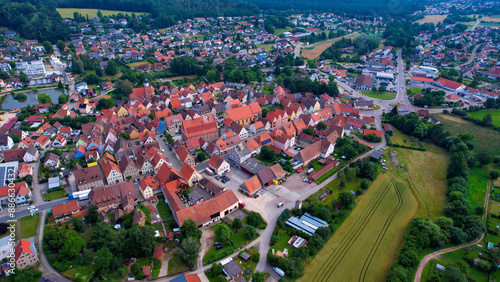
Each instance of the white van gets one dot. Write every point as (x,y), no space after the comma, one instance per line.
(279,271)
(280,205)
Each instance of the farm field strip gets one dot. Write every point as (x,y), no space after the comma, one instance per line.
(381,235)
(357,229)
(68,12)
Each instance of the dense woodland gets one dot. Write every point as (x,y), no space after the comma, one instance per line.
(42,23)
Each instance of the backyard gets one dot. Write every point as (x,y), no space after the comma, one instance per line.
(29,225)
(54,195)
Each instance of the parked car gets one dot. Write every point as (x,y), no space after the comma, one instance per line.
(310,181)
(280,205)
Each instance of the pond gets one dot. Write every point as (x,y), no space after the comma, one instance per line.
(32,99)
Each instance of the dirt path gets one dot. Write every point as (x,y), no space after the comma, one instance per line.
(207,241)
(436,254)
(164,266)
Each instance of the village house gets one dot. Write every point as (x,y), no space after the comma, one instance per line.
(65,211)
(111,197)
(190,174)
(88,178)
(219,165)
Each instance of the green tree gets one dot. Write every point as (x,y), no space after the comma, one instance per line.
(346,199)
(111,68)
(237,223)
(494,174)
(141,241)
(189,250)
(222,232)
(44,98)
(92,78)
(78,224)
(258,276)
(23,77)
(250,232)
(483,158)
(16,138)
(211,75)
(309,131)
(99,13)
(92,216)
(189,229)
(123,87)
(321,125)
(62,99)
(105,261)
(382,88)
(73,245)
(49,48)
(365,184)
(255,257)
(27,274)
(487,120)
(268,154)
(201,156)
(254,219)
(60,85)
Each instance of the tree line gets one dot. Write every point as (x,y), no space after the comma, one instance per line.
(461,222)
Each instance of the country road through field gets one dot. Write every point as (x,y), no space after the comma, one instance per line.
(429,257)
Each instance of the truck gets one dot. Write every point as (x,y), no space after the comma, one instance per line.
(209,171)
(80,195)
(309,171)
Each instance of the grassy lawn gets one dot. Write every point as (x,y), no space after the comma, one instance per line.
(332,189)
(485,139)
(213,254)
(238,238)
(402,139)
(176,265)
(366,244)
(268,47)
(476,187)
(279,31)
(68,12)
(328,174)
(246,265)
(282,242)
(414,90)
(495,115)
(380,95)
(80,273)
(156,269)
(50,196)
(453,257)
(316,165)
(163,209)
(426,171)
(112,77)
(136,64)
(29,225)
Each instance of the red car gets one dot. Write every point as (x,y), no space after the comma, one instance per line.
(310,181)
(299,170)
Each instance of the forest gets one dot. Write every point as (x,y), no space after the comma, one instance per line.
(42,23)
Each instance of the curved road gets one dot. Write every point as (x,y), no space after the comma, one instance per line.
(434,255)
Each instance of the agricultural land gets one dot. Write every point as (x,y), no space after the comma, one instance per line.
(68,12)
